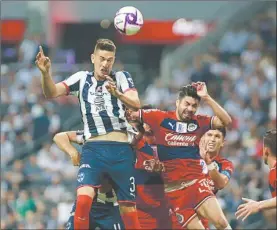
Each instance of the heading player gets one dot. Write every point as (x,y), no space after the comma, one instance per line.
(219,168)
(102,95)
(105,213)
(178,135)
(269,157)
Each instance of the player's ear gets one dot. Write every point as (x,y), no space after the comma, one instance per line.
(92,58)
(177,102)
(222,144)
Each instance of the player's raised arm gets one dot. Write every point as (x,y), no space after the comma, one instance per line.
(129,95)
(50,89)
(222,118)
(63,141)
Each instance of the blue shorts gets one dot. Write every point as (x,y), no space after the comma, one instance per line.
(114,159)
(102,216)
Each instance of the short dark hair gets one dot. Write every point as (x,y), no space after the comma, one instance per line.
(105,44)
(147,106)
(270,140)
(222,130)
(188,90)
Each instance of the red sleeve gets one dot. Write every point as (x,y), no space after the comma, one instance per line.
(205,122)
(152,117)
(227,168)
(272,182)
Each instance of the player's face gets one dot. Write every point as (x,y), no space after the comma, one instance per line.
(214,140)
(186,107)
(103,62)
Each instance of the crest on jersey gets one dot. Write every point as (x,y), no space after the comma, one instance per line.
(192,127)
(80,177)
(180,218)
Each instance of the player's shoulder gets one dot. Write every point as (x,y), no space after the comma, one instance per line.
(121,74)
(83,73)
(223,160)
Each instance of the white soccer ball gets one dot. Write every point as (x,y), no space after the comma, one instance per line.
(128,20)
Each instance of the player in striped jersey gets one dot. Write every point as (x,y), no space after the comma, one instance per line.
(102,95)
(105,213)
(269,157)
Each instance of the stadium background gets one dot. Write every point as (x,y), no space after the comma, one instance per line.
(229,45)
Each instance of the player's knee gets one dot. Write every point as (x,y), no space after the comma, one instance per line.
(221,223)
(127,207)
(87,191)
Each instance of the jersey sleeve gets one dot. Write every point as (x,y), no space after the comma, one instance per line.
(227,168)
(126,82)
(272,182)
(205,122)
(72,83)
(152,117)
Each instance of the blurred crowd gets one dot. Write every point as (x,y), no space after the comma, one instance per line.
(240,71)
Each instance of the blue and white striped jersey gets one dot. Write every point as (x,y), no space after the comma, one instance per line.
(101,112)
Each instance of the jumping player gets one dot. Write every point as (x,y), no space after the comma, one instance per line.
(219,168)
(178,135)
(269,157)
(102,95)
(105,213)
(152,210)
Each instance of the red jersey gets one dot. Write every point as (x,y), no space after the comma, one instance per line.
(272,181)
(150,187)
(177,143)
(225,167)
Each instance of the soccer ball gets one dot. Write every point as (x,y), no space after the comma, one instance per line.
(128,20)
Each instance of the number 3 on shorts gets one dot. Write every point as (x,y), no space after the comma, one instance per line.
(132,186)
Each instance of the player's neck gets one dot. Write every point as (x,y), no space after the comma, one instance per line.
(213,154)
(98,78)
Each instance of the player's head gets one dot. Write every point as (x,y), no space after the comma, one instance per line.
(187,102)
(269,146)
(215,139)
(103,57)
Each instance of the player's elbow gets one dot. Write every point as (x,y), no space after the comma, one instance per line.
(58,137)
(50,95)
(228,121)
(222,183)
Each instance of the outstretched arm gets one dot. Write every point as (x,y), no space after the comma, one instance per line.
(252,207)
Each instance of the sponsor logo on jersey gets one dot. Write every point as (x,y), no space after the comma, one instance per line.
(180,140)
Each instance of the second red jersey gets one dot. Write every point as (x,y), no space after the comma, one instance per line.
(177,143)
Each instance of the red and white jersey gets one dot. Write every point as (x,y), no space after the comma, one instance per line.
(225,167)
(177,143)
(272,181)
